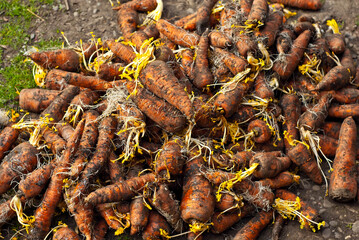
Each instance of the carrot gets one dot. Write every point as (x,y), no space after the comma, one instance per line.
(291,111)
(104,146)
(89,48)
(222,222)
(234,63)
(53,141)
(181,76)
(151,31)
(203,14)
(284,40)
(348,62)
(138,38)
(165,54)
(253,228)
(244,113)
(182,21)
(124,52)
(160,80)
(56,110)
(139,214)
(283,179)
(307,4)
(269,166)
(115,169)
(328,145)
(229,202)
(87,143)
(140,5)
(241,159)
(343,185)
(46,210)
(21,160)
(277,226)
(110,72)
(177,35)
(331,129)
(345,95)
(300,27)
(118,191)
(100,230)
(204,111)
(313,118)
(156,224)
(261,87)
(335,43)
(202,75)
(65,130)
(64,59)
(167,42)
(107,211)
(343,111)
(170,160)
(222,74)
(336,78)
(219,39)
(190,23)
(187,62)
(302,157)
(245,44)
(40,177)
(65,233)
(271,28)
(259,11)
(197,204)
(246,6)
(306,18)
(260,130)
(286,67)
(6,212)
(8,137)
(36,99)
(127,19)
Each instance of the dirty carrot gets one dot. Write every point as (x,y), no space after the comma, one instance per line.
(64,233)
(335,43)
(331,129)
(271,28)
(203,14)
(308,4)
(245,44)
(283,179)
(259,11)
(335,79)
(127,19)
(107,211)
(343,185)
(124,52)
(219,39)
(156,227)
(246,6)
(100,229)
(261,131)
(277,226)
(187,62)
(36,99)
(269,166)
(234,63)
(65,130)
(328,145)
(139,214)
(140,5)
(343,111)
(53,141)
(261,87)
(7,137)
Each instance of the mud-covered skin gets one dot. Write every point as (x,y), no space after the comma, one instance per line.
(259,11)
(53,141)
(139,215)
(155,223)
(7,137)
(37,99)
(65,233)
(203,15)
(127,19)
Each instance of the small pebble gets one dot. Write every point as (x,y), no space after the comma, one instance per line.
(55,7)
(338,235)
(327,203)
(32,36)
(326,233)
(95,11)
(316,188)
(355,227)
(333,223)
(76,14)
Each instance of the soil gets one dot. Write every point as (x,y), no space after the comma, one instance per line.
(86,16)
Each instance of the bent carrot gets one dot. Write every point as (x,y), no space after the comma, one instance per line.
(36,99)
(343,185)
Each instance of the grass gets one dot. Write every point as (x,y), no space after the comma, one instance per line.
(15,21)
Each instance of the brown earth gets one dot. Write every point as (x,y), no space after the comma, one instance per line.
(85,16)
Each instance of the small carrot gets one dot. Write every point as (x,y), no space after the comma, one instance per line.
(151,31)
(156,227)
(343,185)
(348,62)
(138,38)
(139,215)
(343,111)
(21,160)
(8,137)
(6,212)
(219,39)
(64,59)
(335,43)
(308,4)
(244,113)
(234,63)
(269,166)
(177,35)
(254,227)
(203,14)
(187,62)
(335,79)
(36,99)
(65,233)
(65,130)
(110,72)
(331,129)
(229,202)
(300,27)
(283,179)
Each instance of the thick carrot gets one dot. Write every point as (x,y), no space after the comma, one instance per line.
(160,80)
(53,141)
(290,104)
(219,39)
(243,113)
(104,147)
(64,59)
(291,60)
(187,62)
(246,6)
(271,28)
(36,99)
(156,224)
(8,136)
(127,19)
(284,40)
(139,214)
(331,129)
(100,230)
(177,35)
(56,110)
(343,185)
(6,212)
(245,44)
(345,95)
(260,129)
(65,233)
(302,157)
(110,72)
(343,111)
(261,87)
(283,179)
(307,4)
(119,191)
(203,15)
(124,52)
(335,79)
(228,202)
(202,74)
(87,143)
(313,118)
(269,166)
(46,210)
(335,43)
(35,181)
(138,38)
(65,130)
(165,54)
(254,227)
(21,160)
(190,23)
(259,11)
(300,27)
(160,111)
(234,63)
(328,145)
(140,5)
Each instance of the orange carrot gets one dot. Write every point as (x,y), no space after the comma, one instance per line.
(6,212)
(306,18)
(190,23)
(258,11)
(328,145)
(284,40)
(119,191)
(234,63)
(153,229)
(65,233)
(64,59)
(269,165)
(336,78)
(100,230)
(348,62)
(343,111)
(219,39)
(152,31)
(246,6)
(261,87)
(283,179)
(308,4)
(127,19)
(110,72)
(165,54)
(202,75)
(46,210)
(343,185)
(271,28)
(182,21)
(335,43)
(8,136)
(345,95)
(300,27)
(177,35)
(160,80)
(124,52)
(243,114)
(138,38)
(140,5)
(290,62)
(65,130)
(106,210)
(203,14)
(245,44)
(139,215)
(21,160)
(36,99)
(53,141)
(261,131)
(187,62)
(254,227)
(332,129)
(302,157)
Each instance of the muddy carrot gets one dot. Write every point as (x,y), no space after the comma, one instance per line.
(245,44)
(203,14)
(335,79)
(139,214)
(261,87)
(309,4)
(254,227)
(190,23)
(284,40)
(343,185)
(53,141)
(151,31)
(177,35)
(243,113)
(343,111)
(7,137)
(335,43)
(65,130)
(246,6)
(36,99)
(124,52)
(283,179)
(165,54)
(328,145)
(331,129)
(219,39)
(300,27)
(6,213)
(106,210)
(65,233)
(345,95)
(271,28)
(64,59)
(204,111)
(140,5)
(21,160)
(100,230)
(269,166)
(110,72)
(187,62)
(277,226)
(127,19)
(234,63)
(260,129)
(153,229)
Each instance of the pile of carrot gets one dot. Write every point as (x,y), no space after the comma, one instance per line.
(180,128)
